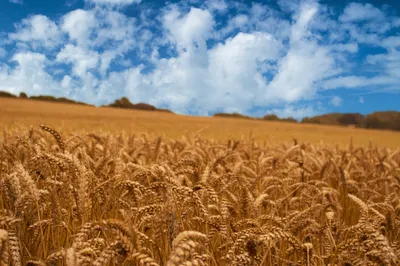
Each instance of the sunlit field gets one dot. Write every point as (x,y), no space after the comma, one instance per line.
(102,186)
(18,114)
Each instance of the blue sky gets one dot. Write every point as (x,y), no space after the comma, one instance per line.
(290,57)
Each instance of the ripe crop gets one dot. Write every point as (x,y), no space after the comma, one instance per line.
(116,199)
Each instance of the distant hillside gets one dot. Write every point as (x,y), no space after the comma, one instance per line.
(344,119)
(327,119)
(378,120)
(383,120)
(288,119)
(7,94)
(232,115)
(269,117)
(54,99)
(356,119)
(272,117)
(46,98)
(121,103)
(125,103)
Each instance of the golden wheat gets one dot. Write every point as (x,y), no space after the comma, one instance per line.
(99,199)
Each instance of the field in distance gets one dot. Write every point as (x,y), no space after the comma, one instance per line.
(17,114)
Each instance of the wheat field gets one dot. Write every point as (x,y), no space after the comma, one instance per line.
(19,115)
(117,197)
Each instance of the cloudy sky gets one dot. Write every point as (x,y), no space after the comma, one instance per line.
(290,57)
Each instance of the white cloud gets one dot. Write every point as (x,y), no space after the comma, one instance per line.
(305,64)
(29,75)
(236,68)
(216,5)
(194,27)
(345,47)
(361,99)
(37,31)
(293,111)
(198,80)
(336,101)
(66,82)
(79,25)
(357,82)
(258,18)
(130,83)
(113,26)
(299,72)
(114,2)
(117,31)
(243,52)
(87,91)
(240,21)
(263,18)
(28,62)
(96,27)
(289,6)
(81,59)
(391,42)
(300,30)
(389,63)
(360,35)
(364,24)
(18,2)
(3,52)
(396,22)
(361,12)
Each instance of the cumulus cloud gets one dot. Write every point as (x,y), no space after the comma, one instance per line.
(345,47)
(296,112)
(216,5)
(91,30)
(18,2)
(112,26)
(79,25)
(189,29)
(29,75)
(396,22)
(82,60)
(336,101)
(364,24)
(229,73)
(388,62)
(304,65)
(257,18)
(37,31)
(361,12)
(130,83)
(66,82)
(391,43)
(3,52)
(358,82)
